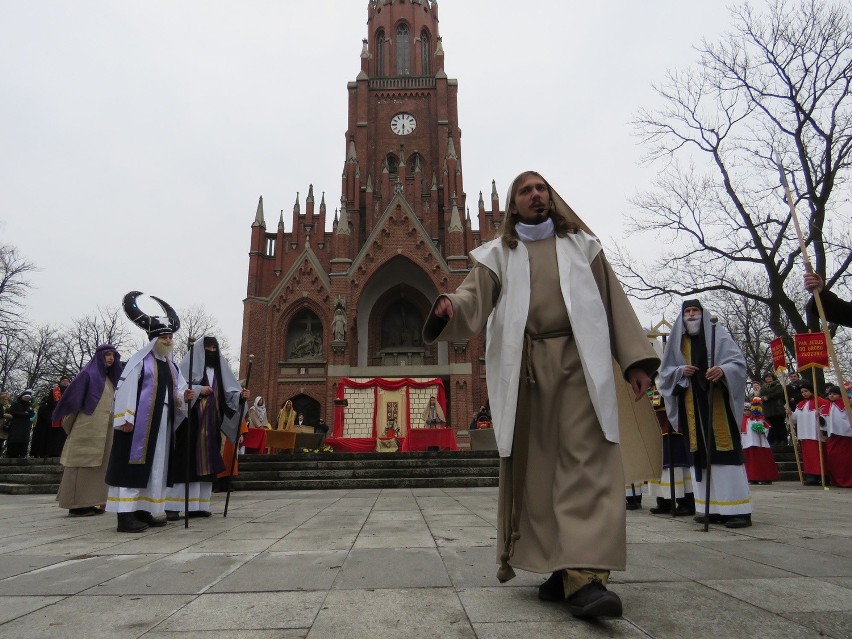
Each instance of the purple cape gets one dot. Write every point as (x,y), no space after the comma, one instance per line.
(85,390)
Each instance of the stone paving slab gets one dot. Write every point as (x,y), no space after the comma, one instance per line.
(276,571)
(412,563)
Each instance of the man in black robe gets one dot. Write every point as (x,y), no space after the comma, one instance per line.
(48,436)
(200,439)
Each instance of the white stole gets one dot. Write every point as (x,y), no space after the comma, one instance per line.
(505,333)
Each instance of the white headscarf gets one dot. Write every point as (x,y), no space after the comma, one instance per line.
(260,411)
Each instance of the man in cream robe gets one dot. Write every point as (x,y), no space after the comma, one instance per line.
(553,391)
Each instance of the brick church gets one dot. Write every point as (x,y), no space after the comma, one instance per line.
(334,317)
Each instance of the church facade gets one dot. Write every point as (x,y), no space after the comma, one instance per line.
(324,306)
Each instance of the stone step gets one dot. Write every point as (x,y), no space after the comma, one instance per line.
(399,465)
(28,489)
(31,478)
(388,482)
(367,473)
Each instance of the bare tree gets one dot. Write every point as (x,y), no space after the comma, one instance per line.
(44,359)
(12,350)
(196,322)
(14,286)
(778,83)
(106,325)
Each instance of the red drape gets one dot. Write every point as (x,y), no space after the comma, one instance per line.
(385,384)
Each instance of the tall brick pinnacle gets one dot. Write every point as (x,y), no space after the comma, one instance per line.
(258,216)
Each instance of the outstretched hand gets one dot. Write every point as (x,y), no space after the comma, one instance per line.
(444,307)
(640,382)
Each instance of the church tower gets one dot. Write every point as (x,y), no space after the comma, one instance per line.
(327,307)
(403,133)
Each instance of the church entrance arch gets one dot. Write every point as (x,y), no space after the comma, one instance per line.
(400,289)
(309,407)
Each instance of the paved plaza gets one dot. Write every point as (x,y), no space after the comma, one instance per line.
(412,563)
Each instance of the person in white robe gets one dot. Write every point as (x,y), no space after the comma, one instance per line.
(684,382)
(150,400)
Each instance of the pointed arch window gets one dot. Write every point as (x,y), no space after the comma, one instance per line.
(425,53)
(380,52)
(415,163)
(304,337)
(392,163)
(403,50)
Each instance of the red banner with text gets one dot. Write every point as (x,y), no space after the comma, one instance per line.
(811,350)
(779,359)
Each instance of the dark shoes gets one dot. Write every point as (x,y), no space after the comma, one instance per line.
(714,519)
(85,512)
(147,518)
(174,515)
(729,521)
(128,523)
(680,511)
(738,521)
(594,600)
(684,506)
(552,589)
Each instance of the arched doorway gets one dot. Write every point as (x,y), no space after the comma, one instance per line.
(309,407)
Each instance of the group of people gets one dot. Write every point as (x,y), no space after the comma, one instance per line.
(825,436)
(27,427)
(551,370)
(141,438)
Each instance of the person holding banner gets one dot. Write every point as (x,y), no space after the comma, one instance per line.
(685,379)
(839,444)
(836,310)
(809,418)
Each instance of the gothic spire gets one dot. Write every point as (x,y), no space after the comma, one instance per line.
(455,219)
(451,148)
(258,216)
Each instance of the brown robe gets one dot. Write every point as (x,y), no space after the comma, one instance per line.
(561,496)
(86,454)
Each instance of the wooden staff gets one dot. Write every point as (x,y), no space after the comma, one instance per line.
(237,439)
(187,457)
(792,428)
(818,431)
(709,443)
(823,323)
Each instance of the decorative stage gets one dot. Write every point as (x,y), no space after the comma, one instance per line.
(385,415)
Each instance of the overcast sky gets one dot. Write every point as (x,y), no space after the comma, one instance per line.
(136,137)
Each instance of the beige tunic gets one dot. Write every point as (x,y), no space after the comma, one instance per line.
(561,496)
(86,454)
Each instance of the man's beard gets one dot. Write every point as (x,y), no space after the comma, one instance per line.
(162,349)
(693,326)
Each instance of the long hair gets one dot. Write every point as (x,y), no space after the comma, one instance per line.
(507,228)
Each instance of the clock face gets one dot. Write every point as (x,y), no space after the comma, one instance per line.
(403,123)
